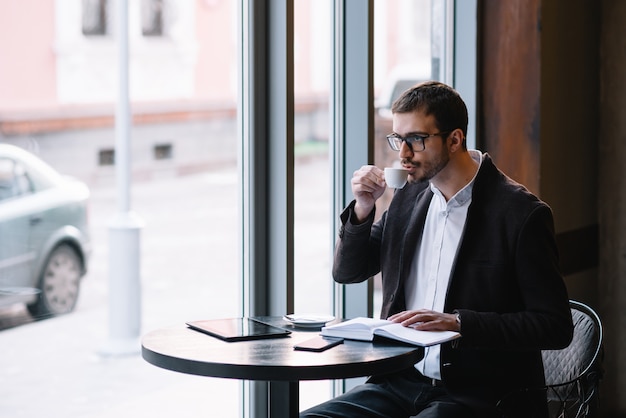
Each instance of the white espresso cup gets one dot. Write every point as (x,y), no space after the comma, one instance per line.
(396,177)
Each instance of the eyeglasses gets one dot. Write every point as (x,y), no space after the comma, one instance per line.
(415,142)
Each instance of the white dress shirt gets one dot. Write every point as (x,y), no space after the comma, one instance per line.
(431,268)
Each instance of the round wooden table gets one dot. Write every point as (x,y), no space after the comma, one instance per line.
(273,360)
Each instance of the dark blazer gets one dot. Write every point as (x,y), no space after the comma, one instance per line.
(505,284)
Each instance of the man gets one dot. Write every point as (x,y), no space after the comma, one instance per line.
(462,247)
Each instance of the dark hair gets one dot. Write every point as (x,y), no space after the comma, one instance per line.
(437,99)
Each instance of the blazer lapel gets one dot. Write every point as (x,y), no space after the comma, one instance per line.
(415,227)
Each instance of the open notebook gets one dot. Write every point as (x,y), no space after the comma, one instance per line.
(365,329)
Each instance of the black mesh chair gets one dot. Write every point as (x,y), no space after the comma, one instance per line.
(573,374)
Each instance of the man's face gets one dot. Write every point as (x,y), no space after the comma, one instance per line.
(426,164)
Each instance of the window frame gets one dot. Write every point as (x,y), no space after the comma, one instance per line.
(266,129)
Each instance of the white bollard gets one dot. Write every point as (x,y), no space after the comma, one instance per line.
(124,286)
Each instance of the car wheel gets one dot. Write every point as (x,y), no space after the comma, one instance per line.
(59,283)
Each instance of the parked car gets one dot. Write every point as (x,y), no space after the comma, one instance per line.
(44,239)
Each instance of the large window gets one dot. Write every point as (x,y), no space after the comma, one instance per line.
(214,242)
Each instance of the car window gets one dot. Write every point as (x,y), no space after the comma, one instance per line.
(13,179)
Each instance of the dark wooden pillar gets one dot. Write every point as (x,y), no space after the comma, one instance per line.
(509,86)
(612,203)
(551,113)
(538,116)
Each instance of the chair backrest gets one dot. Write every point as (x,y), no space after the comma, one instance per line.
(573,373)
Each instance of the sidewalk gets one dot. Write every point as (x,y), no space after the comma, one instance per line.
(54,367)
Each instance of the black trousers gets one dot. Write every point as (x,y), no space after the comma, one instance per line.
(403,394)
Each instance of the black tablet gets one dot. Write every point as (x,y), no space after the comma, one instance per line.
(237,329)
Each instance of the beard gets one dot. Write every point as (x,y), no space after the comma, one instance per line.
(425,171)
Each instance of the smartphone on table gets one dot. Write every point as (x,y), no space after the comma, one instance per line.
(318,344)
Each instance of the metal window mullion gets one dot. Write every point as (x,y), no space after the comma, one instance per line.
(253,179)
(280,143)
(353,123)
(267,172)
(353,127)
(337,137)
(267,169)
(465,29)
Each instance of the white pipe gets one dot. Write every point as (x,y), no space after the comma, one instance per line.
(124,248)
(122,111)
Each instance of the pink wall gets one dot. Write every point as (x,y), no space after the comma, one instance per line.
(217,46)
(217,60)
(28,66)
(302,48)
(27,62)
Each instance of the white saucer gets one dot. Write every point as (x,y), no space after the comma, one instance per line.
(308,320)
